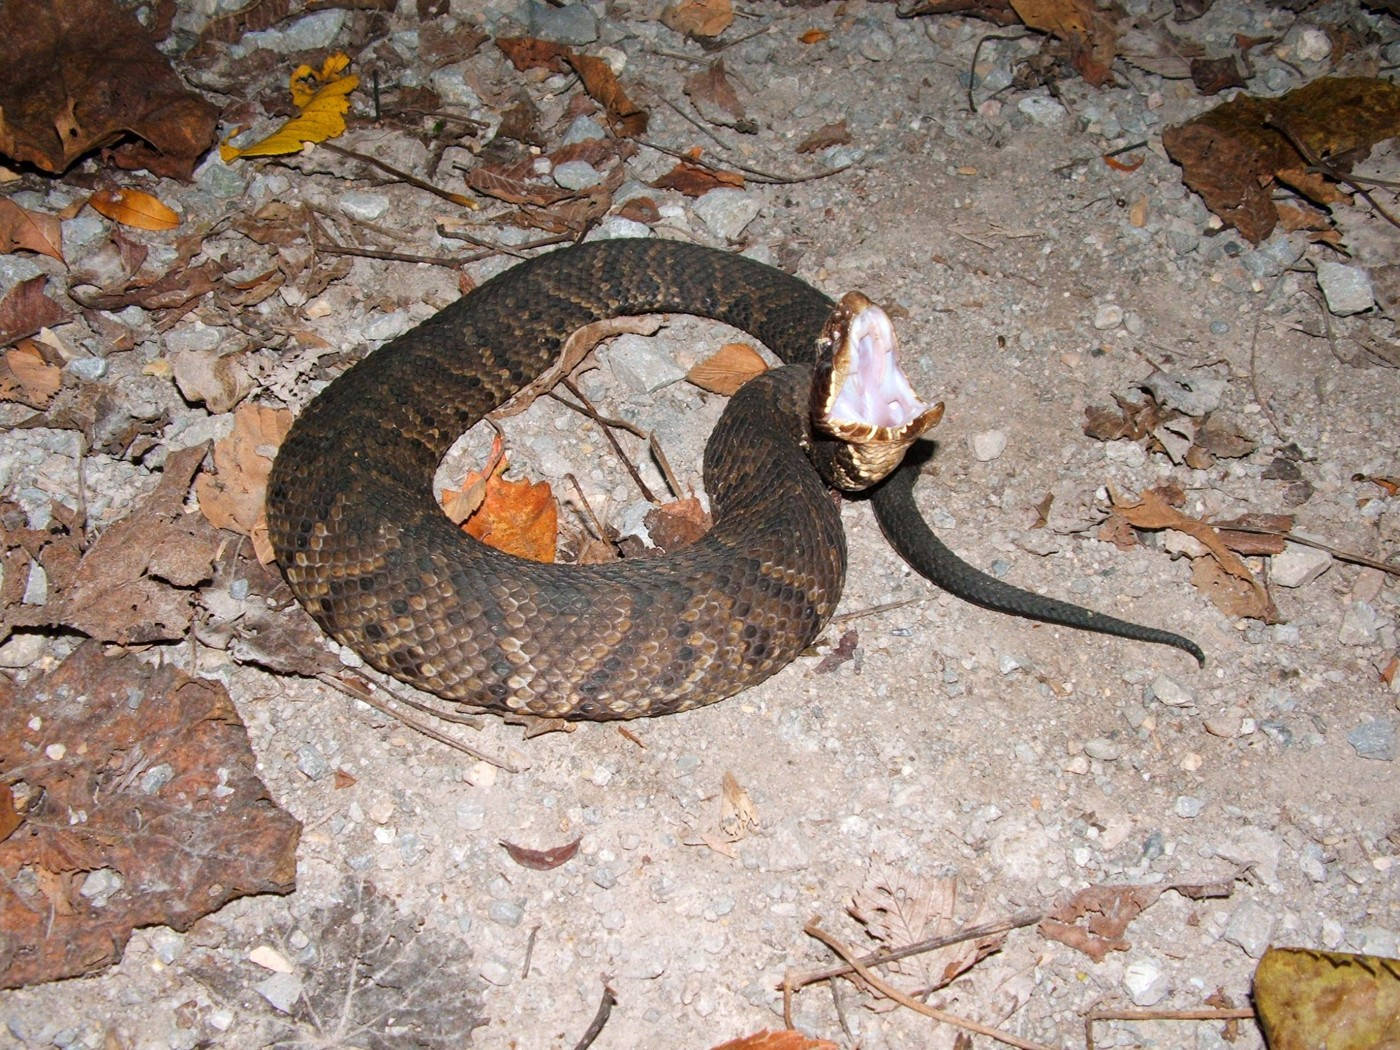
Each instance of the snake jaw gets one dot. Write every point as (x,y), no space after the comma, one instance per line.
(860,395)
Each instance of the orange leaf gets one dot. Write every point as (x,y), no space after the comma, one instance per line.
(30,231)
(788,1039)
(517,517)
(26,377)
(707,18)
(727,369)
(134,208)
(814,36)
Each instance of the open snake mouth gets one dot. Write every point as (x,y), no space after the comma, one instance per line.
(861,396)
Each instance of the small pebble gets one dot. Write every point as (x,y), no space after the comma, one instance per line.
(1102,748)
(576,175)
(269,958)
(1172,693)
(505,912)
(1347,289)
(988,445)
(1108,315)
(726,212)
(493,972)
(282,990)
(1189,807)
(1250,927)
(1145,982)
(1374,740)
(1297,565)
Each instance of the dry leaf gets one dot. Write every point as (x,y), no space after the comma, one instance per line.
(1089,33)
(824,137)
(134,208)
(1308,999)
(30,231)
(25,309)
(233,497)
(1230,594)
(1152,511)
(517,517)
(461,503)
(842,652)
(626,119)
(727,369)
(175,822)
(321,98)
(737,814)
(1234,154)
(1095,918)
(542,859)
(27,378)
(713,94)
(787,1039)
(695,181)
(677,524)
(814,36)
(81,75)
(702,18)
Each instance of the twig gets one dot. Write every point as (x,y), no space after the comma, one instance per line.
(874,610)
(331,248)
(665,464)
(972,67)
(1100,156)
(591,517)
(1293,537)
(754,174)
(412,180)
(413,723)
(1240,1013)
(1322,168)
(529,952)
(890,992)
(970,933)
(595,1026)
(612,439)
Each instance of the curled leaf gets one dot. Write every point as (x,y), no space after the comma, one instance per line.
(134,208)
(542,859)
(727,369)
(321,97)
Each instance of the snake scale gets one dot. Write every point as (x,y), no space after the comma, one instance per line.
(367,551)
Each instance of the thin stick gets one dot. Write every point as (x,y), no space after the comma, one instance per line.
(1316,164)
(1293,537)
(665,464)
(592,518)
(754,174)
(890,992)
(413,180)
(612,439)
(595,1027)
(415,724)
(1235,1014)
(374,253)
(529,952)
(874,610)
(988,929)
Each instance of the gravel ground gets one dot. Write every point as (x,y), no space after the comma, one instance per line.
(1030,280)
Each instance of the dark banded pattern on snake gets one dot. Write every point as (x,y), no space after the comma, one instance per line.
(367,551)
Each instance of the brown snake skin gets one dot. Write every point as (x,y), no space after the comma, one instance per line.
(370,555)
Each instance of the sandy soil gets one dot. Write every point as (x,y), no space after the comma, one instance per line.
(1030,280)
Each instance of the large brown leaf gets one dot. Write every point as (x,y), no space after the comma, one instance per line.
(142,775)
(78,75)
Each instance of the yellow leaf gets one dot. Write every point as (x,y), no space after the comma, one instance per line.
(321,98)
(134,208)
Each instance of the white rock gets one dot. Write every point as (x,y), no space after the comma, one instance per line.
(1145,982)
(1297,565)
(726,212)
(988,445)
(1347,289)
(1172,693)
(282,990)
(1108,315)
(269,958)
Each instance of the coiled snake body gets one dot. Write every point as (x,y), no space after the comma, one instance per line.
(367,551)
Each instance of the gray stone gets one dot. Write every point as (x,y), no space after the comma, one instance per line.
(1042,110)
(281,990)
(99,886)
(1108,315)
(1297,565)
(495,972)
(988,444)
(1359,624)
(1347,289)
(641,367)
(1170,692)
(584,129)
(725,212)
(505,912)
(576,175)
(570,24)
(876,44)
(312,763)
(363,205)
(1145,982)
(1103,749)
(1374,740)
(450,83)
(22,649)
(315,32)
(1250,926)
(1189,807)
(1195,394)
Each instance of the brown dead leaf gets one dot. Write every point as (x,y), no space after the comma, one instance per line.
(81,75)
(232,498)
(25,309)
(1152,511)
(175,290)
(787,1039)
(135,208)
(1336,1000)
(826,136)
(175,821)
(844,651)
(542,859)
(813,36)
(699,18)
(625,118)
(696,181)
(29,231)
(132,585)
(1256,544)
(713,94)
(727,369)
(1095,919)
(517,517)
(577,357)
(738,816)
(1214,75)
(1230,594)
(27,378)
(9,816)
(1234,154)
(677,524)
(1089,33)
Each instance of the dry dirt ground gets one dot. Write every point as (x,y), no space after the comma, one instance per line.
(1030,280)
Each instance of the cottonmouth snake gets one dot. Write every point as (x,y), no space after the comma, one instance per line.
(366,550)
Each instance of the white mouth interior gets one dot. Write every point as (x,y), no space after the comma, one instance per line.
(875,392)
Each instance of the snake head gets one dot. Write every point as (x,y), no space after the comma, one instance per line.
(861,397)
